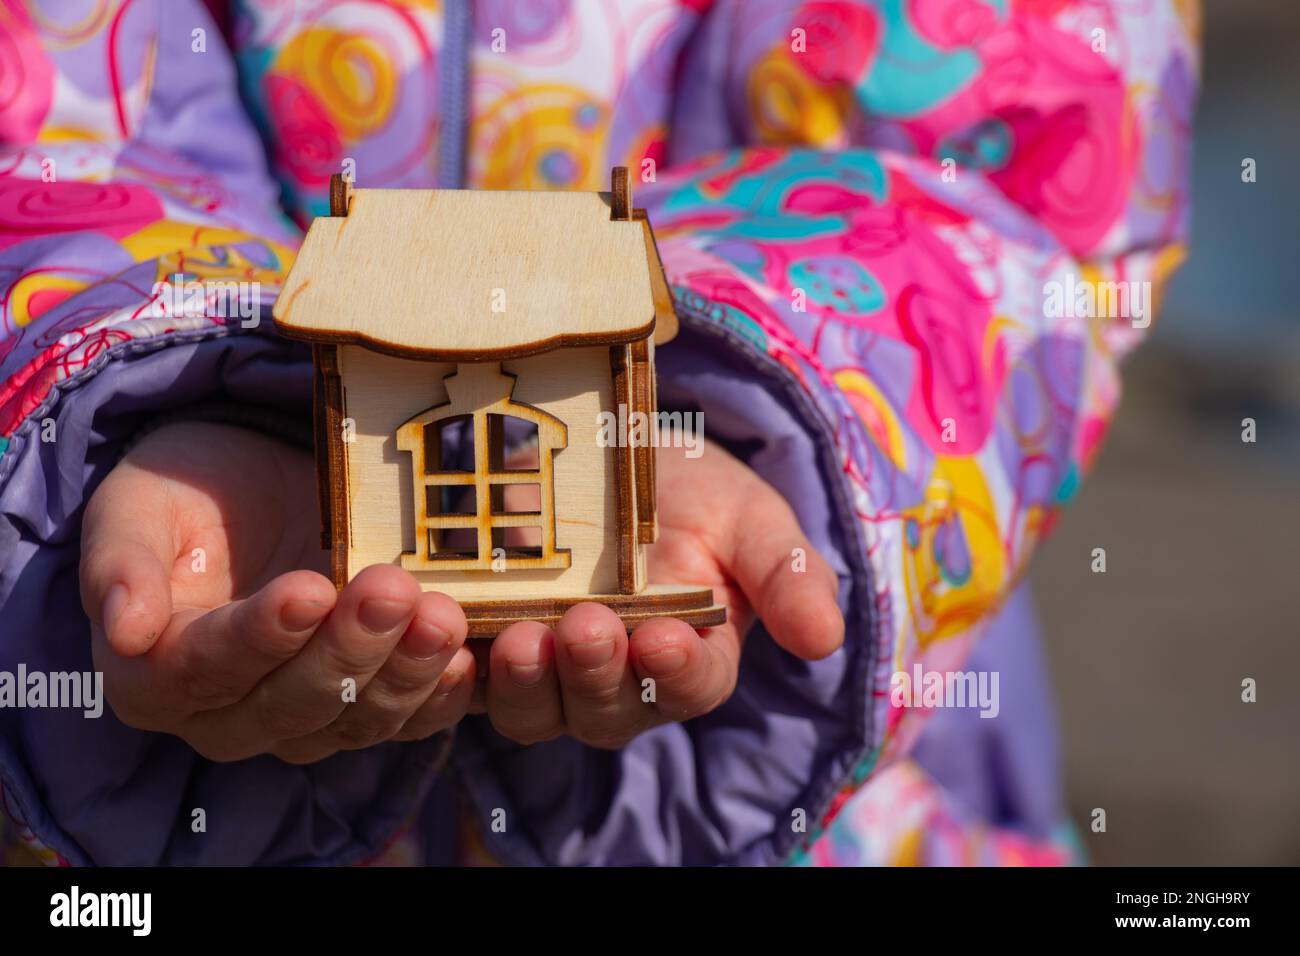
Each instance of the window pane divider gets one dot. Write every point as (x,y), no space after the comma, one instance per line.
(517,519)
(514,477)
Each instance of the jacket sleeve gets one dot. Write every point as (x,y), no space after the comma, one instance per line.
(930,230)
(889,227)
(164,176)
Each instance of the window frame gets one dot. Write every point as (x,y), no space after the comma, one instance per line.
(488,472)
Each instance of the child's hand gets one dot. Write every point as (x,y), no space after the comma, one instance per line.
(205,627)
(720,525)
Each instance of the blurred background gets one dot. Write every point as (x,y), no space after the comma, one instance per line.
(1201,530)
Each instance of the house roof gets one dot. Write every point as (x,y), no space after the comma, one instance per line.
(466,274)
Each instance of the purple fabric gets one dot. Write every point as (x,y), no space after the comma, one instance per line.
(1004,772)
(714,790)
(719,789)
(196,130)
(94,789)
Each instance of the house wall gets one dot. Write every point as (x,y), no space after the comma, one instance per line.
(574,385)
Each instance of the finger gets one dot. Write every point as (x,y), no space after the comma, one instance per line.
(602,706)
(790,585)
(209,660)
(309,691)
(221,655)
(443,708)
(688,674)
(448,703)
(127,551)
(523,687)
(436,632)
(133,696)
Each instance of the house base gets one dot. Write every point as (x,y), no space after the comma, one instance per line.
(692,605)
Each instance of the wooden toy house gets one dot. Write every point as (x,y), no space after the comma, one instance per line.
(466,344)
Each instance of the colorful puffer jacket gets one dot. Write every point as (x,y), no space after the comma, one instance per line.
(866,211)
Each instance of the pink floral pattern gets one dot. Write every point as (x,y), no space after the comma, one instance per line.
(898,182)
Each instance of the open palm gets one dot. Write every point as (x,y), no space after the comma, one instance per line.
(720,525)
(202,573)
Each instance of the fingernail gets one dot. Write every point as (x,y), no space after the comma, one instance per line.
(525,675)
(424,639)
(380,615)
(591,655)
(447,683)
(665,662)
(115,602)
(299,614)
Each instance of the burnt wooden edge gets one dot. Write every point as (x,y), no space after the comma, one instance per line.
(624,474)
(320,447)
(331,462)
(567,341)
(620,191)
(340,200)
(695,607)
(666,325)
(705,617)
(643,400)
(491,443)
(676,599)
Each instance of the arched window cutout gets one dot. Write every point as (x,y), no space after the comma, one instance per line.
(449,444)
(513,444)
(484,477)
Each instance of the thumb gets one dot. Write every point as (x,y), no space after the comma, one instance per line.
(126,559)
(791,586)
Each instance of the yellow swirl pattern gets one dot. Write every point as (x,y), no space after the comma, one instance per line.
(350,74)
